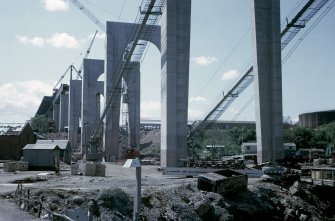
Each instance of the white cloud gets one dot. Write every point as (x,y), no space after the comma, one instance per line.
(197,99)
(63,40)
(57,40)
(35,41)
(21,99)
(56,5)
(23,39)
(194,114)
(230,75)
(150,109)
(205,61)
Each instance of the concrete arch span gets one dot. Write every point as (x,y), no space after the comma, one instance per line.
(118,35)
(172,38)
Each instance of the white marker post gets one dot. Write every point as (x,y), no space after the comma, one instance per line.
(137,197)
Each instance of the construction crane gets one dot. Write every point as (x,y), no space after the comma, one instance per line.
(89,14)
(291,30)
(86,55)
(71,68)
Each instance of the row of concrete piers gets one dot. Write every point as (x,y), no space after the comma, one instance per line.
(78,105)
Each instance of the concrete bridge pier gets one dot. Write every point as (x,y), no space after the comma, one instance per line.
(117,39)
(74,112)
(64,111)
(132,79)
(90,104)
(175,51)
(268,79)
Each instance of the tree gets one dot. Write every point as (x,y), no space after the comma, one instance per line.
(320,139)
(39,123)
(302,137)
(248,135)
(330,132)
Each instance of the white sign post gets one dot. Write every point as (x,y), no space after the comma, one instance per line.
(137,197)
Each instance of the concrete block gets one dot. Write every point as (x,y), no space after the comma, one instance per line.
(22,166)
(100,170)
(91,168)
(15,166)
(9,167)
(223,182)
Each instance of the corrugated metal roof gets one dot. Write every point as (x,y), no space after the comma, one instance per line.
(41,146)
(61,143)
(11,129)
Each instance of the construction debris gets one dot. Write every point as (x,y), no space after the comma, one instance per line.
(223,182)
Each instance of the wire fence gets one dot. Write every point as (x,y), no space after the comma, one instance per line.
(38,207)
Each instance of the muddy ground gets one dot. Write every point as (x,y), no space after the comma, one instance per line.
(168,198)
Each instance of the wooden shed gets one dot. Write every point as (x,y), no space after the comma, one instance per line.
(65,148)
(42,156)
(13,137)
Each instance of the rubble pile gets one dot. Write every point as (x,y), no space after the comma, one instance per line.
(262,201)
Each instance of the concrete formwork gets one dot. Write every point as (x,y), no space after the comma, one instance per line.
(117,39)
(268,79)
(132,80)
(175,50)
(74,112)
(90,103)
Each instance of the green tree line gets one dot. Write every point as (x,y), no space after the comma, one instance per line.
(232,139)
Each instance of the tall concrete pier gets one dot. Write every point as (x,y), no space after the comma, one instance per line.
(175,50)
(90,107)
(268,79)
(118,37)
(132,79)
(64,111)
(74,112)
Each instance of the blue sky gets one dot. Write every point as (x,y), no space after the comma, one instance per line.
(41,38)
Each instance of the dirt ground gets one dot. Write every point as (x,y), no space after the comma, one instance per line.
(167,197)
(116,177)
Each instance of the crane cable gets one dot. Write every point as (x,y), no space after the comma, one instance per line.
(295,46)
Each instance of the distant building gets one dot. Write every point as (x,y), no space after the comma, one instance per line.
(13,137)
(251,148)
(65,148)
(314,119)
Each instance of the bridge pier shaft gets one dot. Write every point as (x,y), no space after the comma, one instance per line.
(268,79)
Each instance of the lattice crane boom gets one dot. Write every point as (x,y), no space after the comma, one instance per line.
(290,31)
(89,14)
(86,54)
